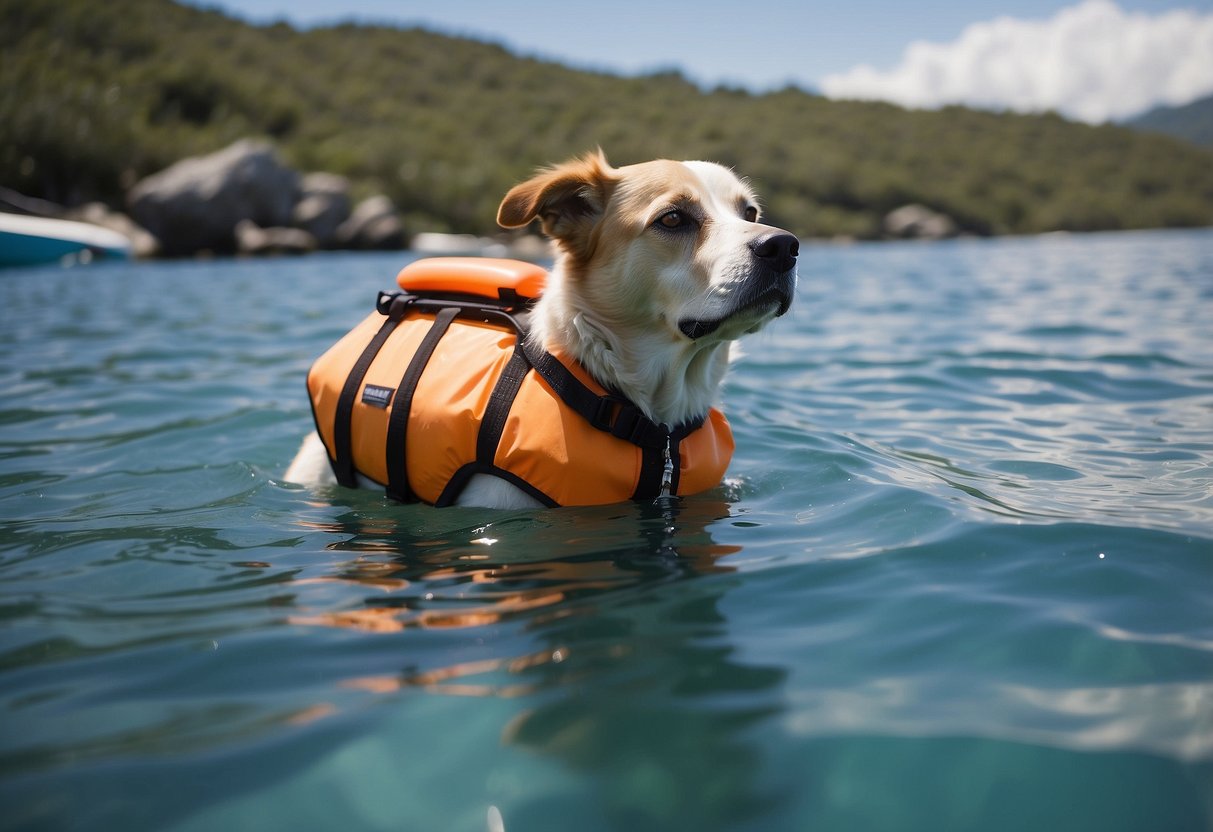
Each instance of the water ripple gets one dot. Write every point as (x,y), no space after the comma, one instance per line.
(964,543)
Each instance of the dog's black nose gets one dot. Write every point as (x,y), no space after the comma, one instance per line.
(779,249)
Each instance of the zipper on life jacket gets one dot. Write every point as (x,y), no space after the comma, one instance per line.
(667,471)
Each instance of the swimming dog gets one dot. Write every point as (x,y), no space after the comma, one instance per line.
(659,267)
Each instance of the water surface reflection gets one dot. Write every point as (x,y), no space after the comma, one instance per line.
(605,625)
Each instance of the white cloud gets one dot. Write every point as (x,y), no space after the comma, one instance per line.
(1092,62)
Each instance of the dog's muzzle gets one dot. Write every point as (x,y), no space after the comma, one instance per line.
(773,283)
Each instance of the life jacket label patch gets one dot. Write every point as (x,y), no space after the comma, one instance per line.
(377,396)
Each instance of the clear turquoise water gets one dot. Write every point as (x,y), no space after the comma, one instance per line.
(960,575)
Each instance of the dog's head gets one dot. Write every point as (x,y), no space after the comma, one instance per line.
(668,247)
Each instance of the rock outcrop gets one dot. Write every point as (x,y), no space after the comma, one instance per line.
(373,225)
(196,204)
(254,240)
(143,244)
(324,204)
(918,222)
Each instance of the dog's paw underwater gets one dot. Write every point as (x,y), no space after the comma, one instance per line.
(492,383)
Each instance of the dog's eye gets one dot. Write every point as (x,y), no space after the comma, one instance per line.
(751,214)
(672,219)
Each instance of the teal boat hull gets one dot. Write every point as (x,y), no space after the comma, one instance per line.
(28,241)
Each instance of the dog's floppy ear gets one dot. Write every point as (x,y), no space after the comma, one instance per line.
(568,198)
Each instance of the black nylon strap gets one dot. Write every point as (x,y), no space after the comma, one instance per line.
(623,420)
(398,422)
(343,461)
(652,466)
(613,414)
(500,402)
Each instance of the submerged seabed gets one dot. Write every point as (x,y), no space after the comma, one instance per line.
(960,575)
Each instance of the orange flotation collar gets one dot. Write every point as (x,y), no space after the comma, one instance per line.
(439,384)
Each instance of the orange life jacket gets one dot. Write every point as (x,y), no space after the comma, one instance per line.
(439,384)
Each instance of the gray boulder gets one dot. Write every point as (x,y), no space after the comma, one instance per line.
(143,244)
(196,204)
(919,222)
(324,203)
(254,240)
(373,225)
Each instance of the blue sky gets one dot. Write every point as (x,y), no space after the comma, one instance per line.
(822,46)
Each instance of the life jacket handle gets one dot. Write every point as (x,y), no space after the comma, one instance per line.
(500,279)
(395,305)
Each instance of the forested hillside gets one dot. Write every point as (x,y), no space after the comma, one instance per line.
(94,95)
(1192,122)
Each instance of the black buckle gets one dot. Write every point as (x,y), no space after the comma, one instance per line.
(604,409)
(633,426)
(394,305)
